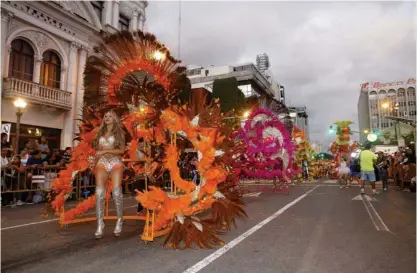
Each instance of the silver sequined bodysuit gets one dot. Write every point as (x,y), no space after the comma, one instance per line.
(108,161)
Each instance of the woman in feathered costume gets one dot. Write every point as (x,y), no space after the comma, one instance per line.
(110,145)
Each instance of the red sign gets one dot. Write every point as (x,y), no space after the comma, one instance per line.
(388,84)
(411,81)
(378,85)
(364,86)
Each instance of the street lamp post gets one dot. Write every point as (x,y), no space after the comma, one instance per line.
(20,104)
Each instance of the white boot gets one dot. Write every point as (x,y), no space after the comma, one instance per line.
(100,192)
(118,203)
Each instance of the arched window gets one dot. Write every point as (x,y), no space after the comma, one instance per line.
(21,60)
(50,70)
(411,92)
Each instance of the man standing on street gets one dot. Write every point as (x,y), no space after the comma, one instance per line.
(367,160)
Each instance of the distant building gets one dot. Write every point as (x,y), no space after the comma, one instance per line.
(299,118)
(380,100)
(250,80)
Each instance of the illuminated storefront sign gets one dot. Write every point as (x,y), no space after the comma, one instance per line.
(378,85)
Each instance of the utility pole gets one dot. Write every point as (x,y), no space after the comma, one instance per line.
(179,29)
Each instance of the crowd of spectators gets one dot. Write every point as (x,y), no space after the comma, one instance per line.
(19,171)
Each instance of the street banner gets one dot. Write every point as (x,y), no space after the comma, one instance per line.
(6,128)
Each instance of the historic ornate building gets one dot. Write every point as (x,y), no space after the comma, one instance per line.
(44,46)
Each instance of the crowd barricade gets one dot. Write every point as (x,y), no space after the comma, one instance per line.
(408,172)
(38,180)
(27,183)
(28,179)
(403,174)
(31,181)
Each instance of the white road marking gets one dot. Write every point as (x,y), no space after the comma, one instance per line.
(52,220)
(378,223)
(373,214)
(209,259)
(330,181)
(252,194)
(360,197)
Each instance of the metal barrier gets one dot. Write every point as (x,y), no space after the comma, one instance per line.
(28,180)
(19,183)
(403,174)
(25,181)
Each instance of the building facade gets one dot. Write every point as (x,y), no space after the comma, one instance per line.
(377,101)
(299,118)
(250,80)
(44,47)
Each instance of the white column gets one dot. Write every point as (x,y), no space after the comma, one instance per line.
(108,7)
(68,134)
(36,74)
(5,49)
(142,24)
(37,68)
(6,54)
(82,56)
(116,14)
(134,21)
(62,81)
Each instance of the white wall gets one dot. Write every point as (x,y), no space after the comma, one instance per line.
(32,115)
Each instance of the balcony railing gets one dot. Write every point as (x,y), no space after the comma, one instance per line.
(36,93)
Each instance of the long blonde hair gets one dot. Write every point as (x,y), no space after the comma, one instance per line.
(117,130)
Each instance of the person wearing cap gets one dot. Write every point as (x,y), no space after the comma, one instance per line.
(367,160)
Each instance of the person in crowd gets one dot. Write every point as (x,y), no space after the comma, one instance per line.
(15,180)
(344,174)
(304,165)
(383,164)
(26,153)
(6,144)
(67,155)
(4,158)
(56,158)
(110,146)
(34,164)
(355,170)
(410,154)
(367,161)
(43,147)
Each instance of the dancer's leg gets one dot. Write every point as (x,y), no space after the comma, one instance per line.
(101,180)
(116,177)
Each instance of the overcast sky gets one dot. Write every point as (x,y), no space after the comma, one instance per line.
(320,51)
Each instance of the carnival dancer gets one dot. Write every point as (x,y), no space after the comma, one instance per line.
(110,145)
(344,174)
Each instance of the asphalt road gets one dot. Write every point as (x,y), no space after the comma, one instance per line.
(321,231)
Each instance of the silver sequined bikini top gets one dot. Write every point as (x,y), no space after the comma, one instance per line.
(107,143)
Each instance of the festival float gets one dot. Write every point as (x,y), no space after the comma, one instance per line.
(269,152)
(143,83)
(343,146)
(303,153)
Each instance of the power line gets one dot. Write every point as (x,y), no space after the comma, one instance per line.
(179,30)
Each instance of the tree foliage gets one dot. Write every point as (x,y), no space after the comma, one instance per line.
(230,96)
